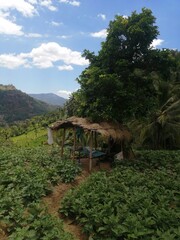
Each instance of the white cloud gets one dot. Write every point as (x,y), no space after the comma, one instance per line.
(64,93)
(71,2)
(65,68)
(75,3)
(11,61)
(27,8)
(125,16)
(48,4)
(10,28)
(56,24)
(33,35)
(51,52)
(64,36)
(156,42)
(100,34)
(102,16)
(22,6)
(44,57)
(32,1)
(8,22)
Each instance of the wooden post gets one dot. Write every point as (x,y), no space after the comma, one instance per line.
(74,147)
(90,154)
(95,136)
(63,139)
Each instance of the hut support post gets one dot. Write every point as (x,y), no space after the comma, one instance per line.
(74,147)
(63,140)
(95,136)
(90,154)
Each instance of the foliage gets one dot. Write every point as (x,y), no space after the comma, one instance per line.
(120,69)
(130,81)
(31,132)
(160,158)
(162,129)
(38,224)
(32,138)
(137,200)
(26,175)
(68,171)
(150,159)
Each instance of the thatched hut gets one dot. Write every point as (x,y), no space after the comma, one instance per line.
(116,134)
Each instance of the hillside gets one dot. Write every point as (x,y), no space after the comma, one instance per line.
(16,105)
(49,98)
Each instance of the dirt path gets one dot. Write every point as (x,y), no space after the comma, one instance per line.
(53,201)
(3,231)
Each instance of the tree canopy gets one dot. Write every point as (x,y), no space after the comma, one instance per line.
(117,84)
(128,79)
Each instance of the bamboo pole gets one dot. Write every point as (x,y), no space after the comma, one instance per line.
(63,140)
(95,136)
(90,154)
(74,147)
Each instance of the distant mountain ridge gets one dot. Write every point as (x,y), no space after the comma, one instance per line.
(16,105)
(49,98)
(7,87)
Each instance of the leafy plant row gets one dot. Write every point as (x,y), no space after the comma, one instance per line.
(150,159)
(26,175)
(136,200)
(36,223)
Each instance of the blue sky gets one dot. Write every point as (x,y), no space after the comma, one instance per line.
(41,41)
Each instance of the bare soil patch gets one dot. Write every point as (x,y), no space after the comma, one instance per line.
(3,235)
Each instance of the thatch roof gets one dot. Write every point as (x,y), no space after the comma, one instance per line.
(115,130)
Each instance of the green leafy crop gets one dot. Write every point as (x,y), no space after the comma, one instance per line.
(26,175)
(137,200)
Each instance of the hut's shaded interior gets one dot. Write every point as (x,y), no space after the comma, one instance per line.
(102,139)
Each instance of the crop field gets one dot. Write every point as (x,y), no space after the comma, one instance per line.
(26,175)
(31,138)
(137,200)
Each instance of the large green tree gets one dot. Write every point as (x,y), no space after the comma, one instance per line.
(130,80)
(117,84)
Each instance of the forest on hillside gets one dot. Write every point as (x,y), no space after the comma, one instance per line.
(18,106)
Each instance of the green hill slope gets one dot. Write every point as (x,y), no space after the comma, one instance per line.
(16,105)
(50,98)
